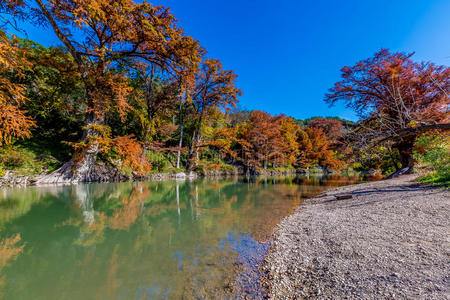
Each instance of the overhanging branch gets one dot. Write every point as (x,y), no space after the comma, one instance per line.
(412,131)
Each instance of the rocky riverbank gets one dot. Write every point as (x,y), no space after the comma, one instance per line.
(390,240)
(11,179)
(103,173)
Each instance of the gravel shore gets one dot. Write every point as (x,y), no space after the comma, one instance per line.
(390,241)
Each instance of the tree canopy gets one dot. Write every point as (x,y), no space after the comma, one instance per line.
(396,99)
(127,92)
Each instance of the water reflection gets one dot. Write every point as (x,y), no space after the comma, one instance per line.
(146,239)
(10,248)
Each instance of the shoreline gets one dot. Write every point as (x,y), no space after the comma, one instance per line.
(390,240)
(11,179)
(29,180)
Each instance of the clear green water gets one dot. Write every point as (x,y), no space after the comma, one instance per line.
(143,240)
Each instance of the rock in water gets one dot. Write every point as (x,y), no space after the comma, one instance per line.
(180,175)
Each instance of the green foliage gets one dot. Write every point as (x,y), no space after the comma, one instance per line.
(306,121)
(300,123)
(174,170)
(206,166)
(26,160)
(433,154)
(380,158)
(160,161)
(55,92)
(283,169)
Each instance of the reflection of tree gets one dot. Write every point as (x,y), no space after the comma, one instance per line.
(125,211)
(131,208)
(9,251)
(90,223)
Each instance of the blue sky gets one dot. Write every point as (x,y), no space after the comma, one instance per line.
(287,53)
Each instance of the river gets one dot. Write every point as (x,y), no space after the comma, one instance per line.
(144,240)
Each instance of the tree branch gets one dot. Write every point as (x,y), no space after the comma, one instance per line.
(59,33)
(413,131)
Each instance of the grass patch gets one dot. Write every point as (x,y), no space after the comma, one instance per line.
(438,178)
(206,166)
(24,159)
(433,154)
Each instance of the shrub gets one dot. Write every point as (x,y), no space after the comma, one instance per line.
(130,151)
(159,161)
(23,160)
(433,154)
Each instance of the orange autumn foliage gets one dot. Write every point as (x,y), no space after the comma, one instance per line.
(215,87)
(213,167)
(289,145)
(222,140)
(394,89)
(9,250)
(131,153)
(268,140)
(315,150)
(14,121)
(102,139)
(122,31)
(107,39)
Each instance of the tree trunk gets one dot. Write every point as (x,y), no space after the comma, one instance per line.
(197,158)
(189,163)
(193,151)
(406,159)
(180,144)
(405,150)
(81,167)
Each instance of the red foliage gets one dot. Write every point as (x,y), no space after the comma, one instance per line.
(331,127)
(392,93)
